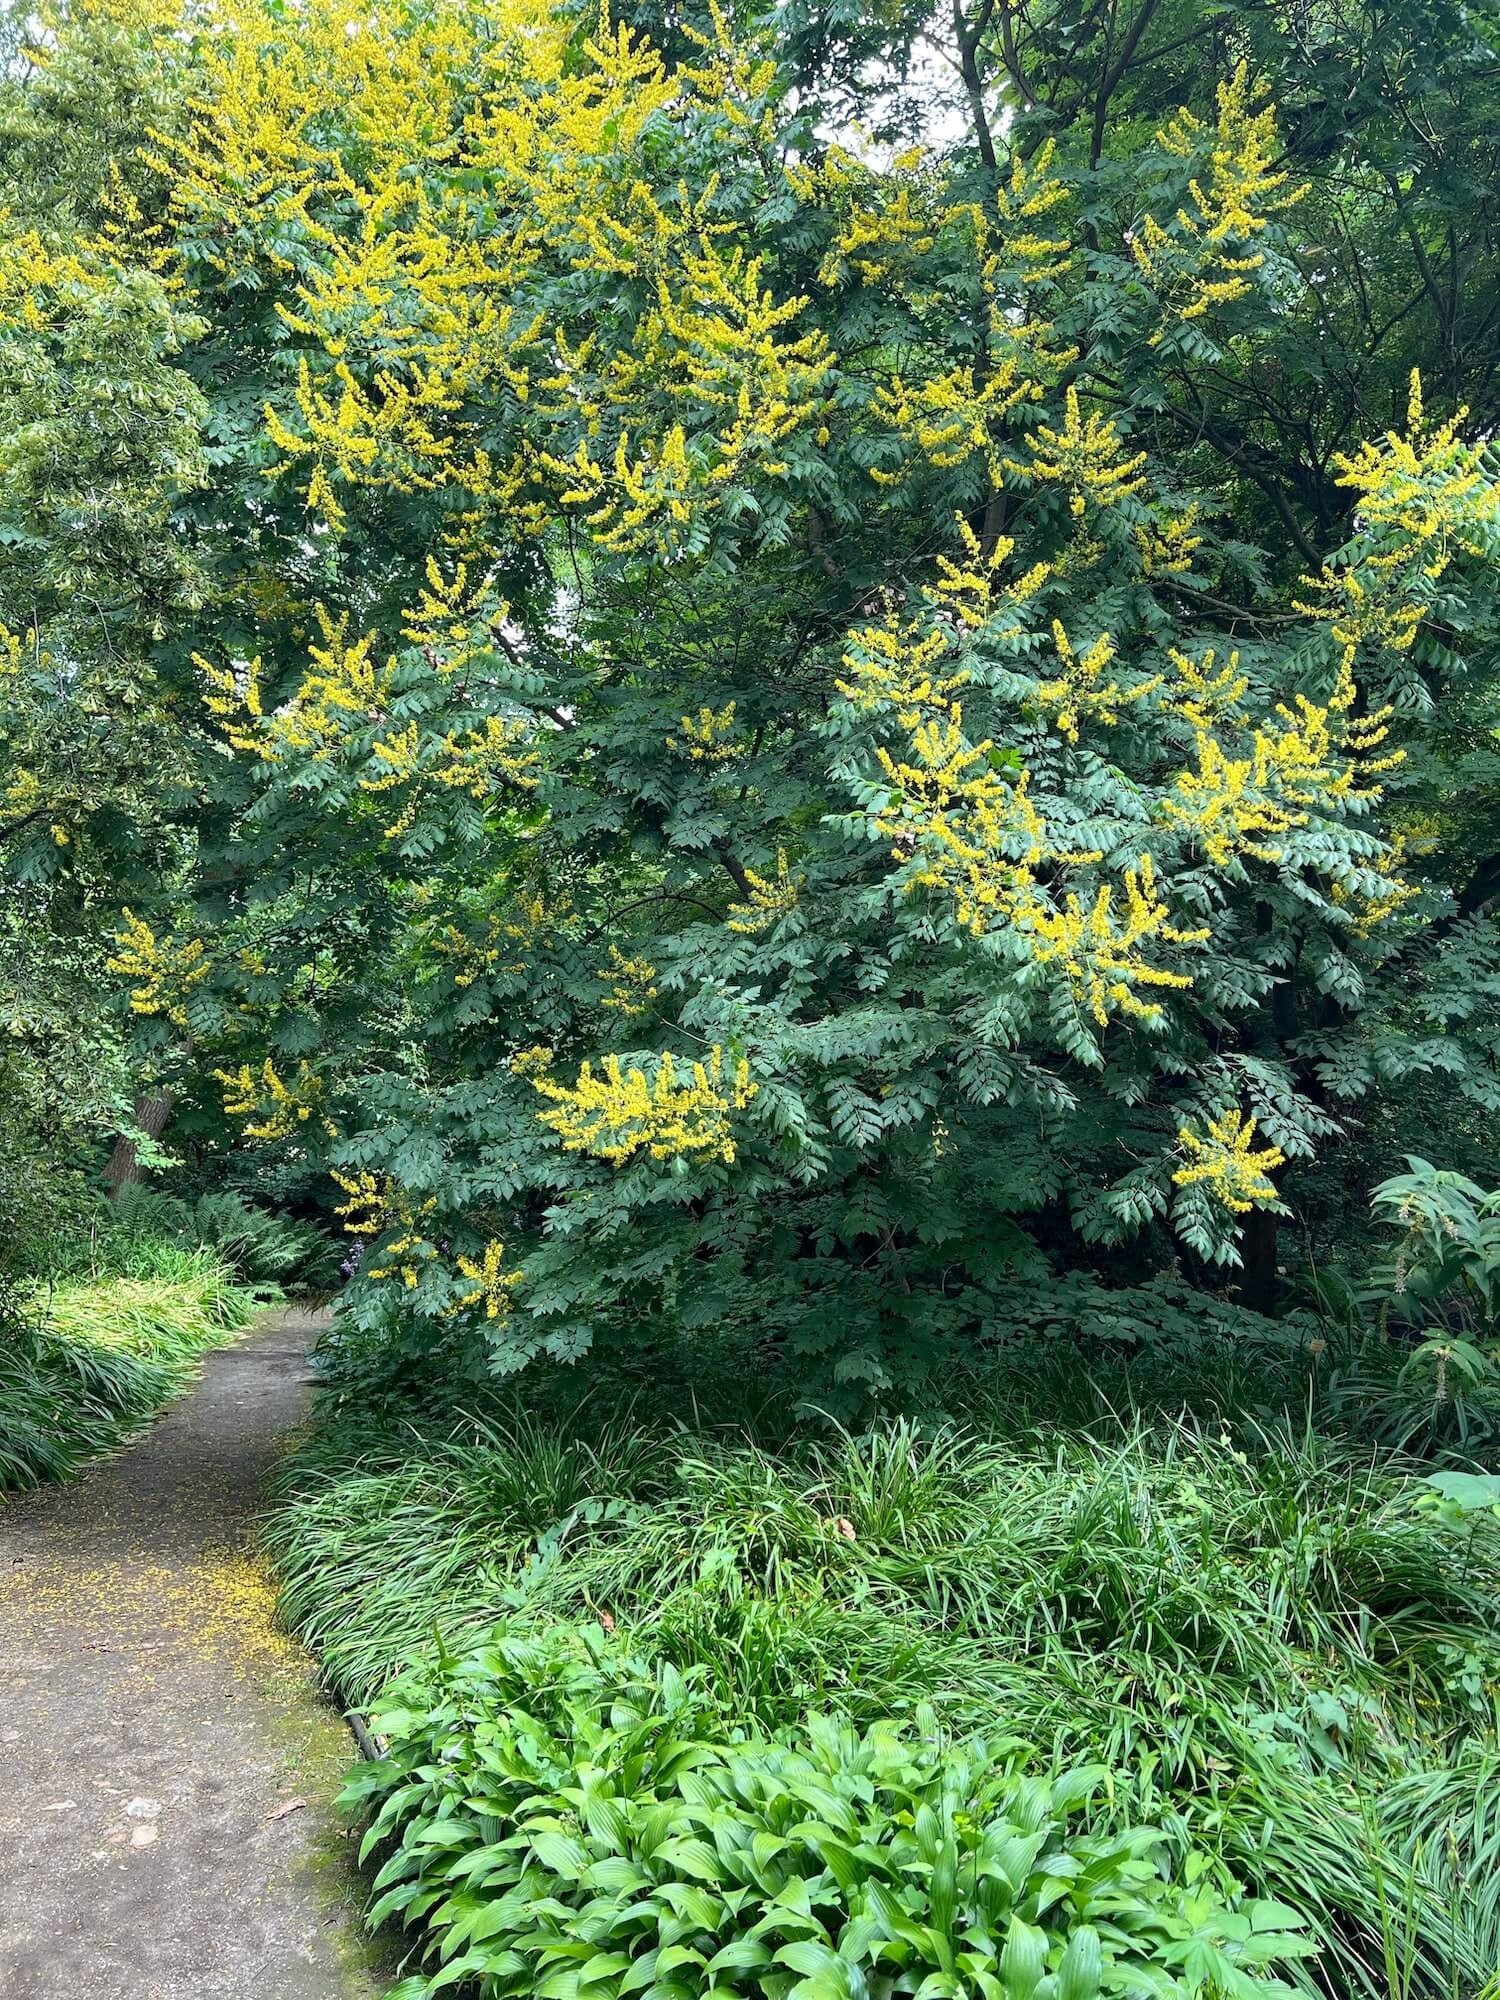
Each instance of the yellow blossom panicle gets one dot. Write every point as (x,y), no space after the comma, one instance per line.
(504,941)
(891,668)
(1362,611)
(343,690)
(272,1108)
(1226,1159)
(1087,456)
(771,898)
(491,1283)
(632,983)
(453,620)
(708,737)
(532,1061)
(1305,759)
(1203,259)
(12,652)
(950,418)
(1080,692)
(1205,692)
(165,969)
(1167,543)
(377,1208)
(888,221)
(1426,495)
(619,1114)
(1100,950)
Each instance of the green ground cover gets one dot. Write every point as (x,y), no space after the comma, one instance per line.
(1270,1638)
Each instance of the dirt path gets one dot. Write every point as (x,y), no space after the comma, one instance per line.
(166,1765)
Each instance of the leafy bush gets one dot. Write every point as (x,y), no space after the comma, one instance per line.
(91,1363)
(571,1824)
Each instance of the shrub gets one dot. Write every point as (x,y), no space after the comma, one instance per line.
(571,1824)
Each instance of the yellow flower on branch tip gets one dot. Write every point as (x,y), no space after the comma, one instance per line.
(770,899)
(707,737)
(1226,1159)
(165,969)
(620,1113)
(1087,456)
(1202,259)
(1080,691)
(632,982)
(492,1283)
(273,1108)
(891,666)
(1101,952)
(1428,492)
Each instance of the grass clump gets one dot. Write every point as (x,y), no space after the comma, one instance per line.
(84,1365)
(1286,1663)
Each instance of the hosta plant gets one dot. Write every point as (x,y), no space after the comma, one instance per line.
(564,1822)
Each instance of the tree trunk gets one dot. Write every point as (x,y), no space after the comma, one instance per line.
(152,1110)
(1257,1286)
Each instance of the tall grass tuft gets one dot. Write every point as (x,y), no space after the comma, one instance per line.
(87,1365)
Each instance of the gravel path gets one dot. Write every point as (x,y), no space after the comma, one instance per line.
(166,1762)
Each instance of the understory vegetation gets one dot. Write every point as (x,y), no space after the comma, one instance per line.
(86,1363)
(1270,1640)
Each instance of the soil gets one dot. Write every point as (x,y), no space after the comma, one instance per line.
(167,1762)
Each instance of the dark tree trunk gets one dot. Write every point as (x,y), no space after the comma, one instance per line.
(152,1111)
(1257,1286)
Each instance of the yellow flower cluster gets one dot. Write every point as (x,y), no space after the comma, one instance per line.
(632,983)
(1206,693)
(376,1206)
(973,834)
(492,1283)
(1429,493)
(166,969)
(273,1108)
(949,418)
(1080,692)
(620,1113)
(523,920)
(344,689)
(984,841)
(708,736)
(1167,543)
(453,619)
(1305,758)
(715,341)
(1087,456)
(1226,1158)
(1202,259)
(12,652)
(887,219)
(1101,953)
(892,668)
(771,898)
(479,762)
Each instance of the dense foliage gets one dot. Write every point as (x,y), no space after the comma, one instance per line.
(707,717)
(578,1825)
(86,1364)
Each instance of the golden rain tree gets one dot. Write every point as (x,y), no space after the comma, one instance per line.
(772,742)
